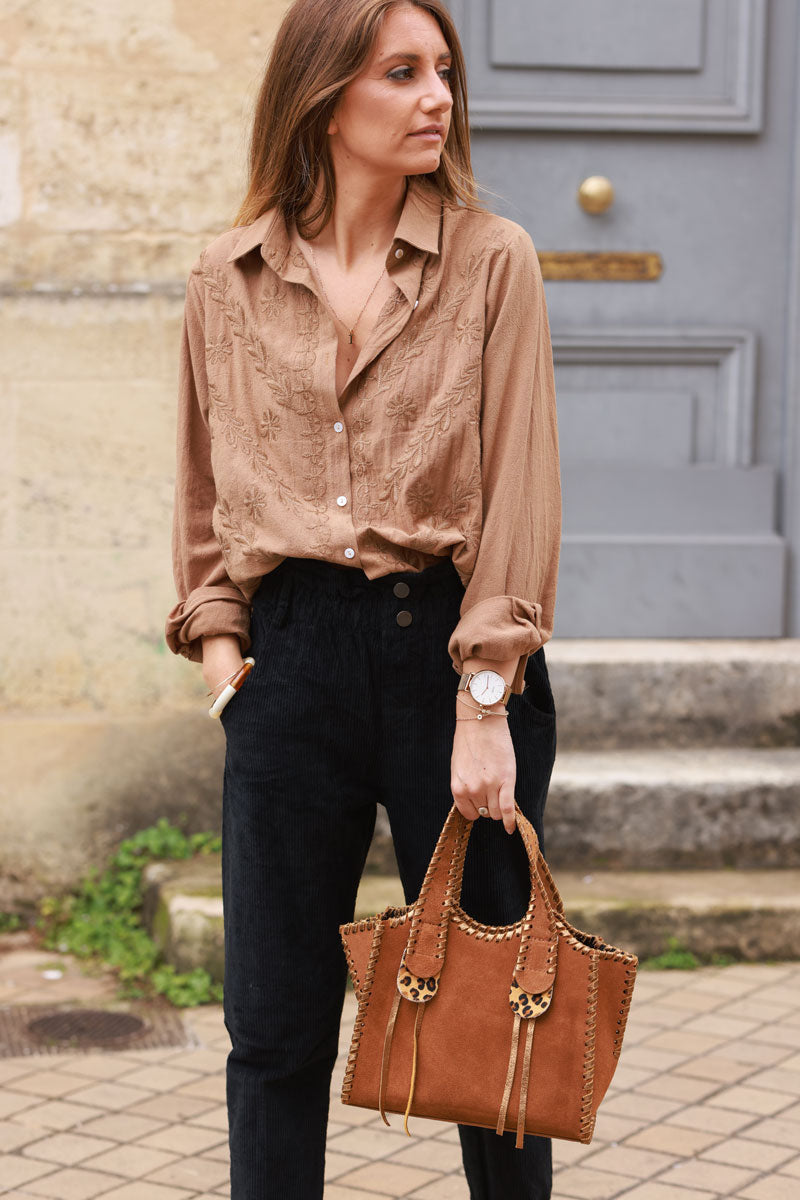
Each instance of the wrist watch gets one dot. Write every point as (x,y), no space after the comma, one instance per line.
(485,686)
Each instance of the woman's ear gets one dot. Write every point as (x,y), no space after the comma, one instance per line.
(333,126)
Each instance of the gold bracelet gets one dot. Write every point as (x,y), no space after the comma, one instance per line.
(484,712)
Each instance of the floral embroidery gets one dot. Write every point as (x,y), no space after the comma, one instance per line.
(272,302)
(219,352)
(237,434)
(292,387)
(470,330)
(270,426)
(228,531)
(255,501)
(402,411)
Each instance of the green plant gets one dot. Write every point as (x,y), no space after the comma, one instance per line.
(9,921)
(676,958)
(101,920)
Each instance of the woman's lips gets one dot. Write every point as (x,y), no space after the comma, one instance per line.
(428,134)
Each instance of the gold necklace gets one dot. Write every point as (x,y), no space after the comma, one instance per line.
(327,298)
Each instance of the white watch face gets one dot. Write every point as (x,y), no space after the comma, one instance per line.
(487,686)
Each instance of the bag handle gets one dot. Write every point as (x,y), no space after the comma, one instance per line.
(534,973)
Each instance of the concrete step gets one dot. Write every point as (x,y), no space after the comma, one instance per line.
(650,692)
(663,809)
(747,915)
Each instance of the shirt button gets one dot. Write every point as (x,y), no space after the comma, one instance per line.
(401,588)
(404,617)
(399,252)
(341,500)
(338,426)
(349,552)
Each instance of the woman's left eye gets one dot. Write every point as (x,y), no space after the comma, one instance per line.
(403,73)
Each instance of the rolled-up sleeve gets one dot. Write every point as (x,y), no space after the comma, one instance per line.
(208,602)
(509,600)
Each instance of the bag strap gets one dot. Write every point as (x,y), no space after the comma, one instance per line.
(534,972)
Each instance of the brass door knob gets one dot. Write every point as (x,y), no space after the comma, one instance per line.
(596,194)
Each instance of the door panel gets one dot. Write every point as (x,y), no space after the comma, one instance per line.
(670,390)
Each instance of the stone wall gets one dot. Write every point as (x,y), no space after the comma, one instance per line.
(123,144)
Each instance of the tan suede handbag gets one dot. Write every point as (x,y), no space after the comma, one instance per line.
(481,985)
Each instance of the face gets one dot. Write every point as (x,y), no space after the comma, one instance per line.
(403,89)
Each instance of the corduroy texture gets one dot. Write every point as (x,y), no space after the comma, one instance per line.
(343,709)
(444,442)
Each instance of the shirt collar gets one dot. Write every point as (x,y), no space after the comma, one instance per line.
(419,226)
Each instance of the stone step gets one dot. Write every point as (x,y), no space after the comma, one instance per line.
(699,808)
(746,915)
(649,692)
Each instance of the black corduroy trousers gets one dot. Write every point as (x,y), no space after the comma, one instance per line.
(347,707)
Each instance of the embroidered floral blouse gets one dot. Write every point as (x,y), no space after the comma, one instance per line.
(443,442)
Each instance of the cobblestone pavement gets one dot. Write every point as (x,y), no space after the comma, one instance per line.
(705,1103)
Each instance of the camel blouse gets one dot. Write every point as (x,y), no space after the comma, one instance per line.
(443,442)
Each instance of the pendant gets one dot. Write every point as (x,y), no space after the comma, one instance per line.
(351,337)
(479,717)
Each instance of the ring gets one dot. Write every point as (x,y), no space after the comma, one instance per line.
(483,811)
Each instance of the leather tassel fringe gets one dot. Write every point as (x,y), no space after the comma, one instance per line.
(523,1091)
(387,1049)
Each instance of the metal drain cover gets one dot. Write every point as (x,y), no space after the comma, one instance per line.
(47,1029)
(87,1027)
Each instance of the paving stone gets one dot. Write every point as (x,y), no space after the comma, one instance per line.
(582,1183)
(778,1131)
(13,1135)
(392,1178)
(677,1087)
(121,1127)
(434,1155)
(109,1095)
(183,1139)
(144,1190)
(72,1183)
(791,1168)
(66,1148)
(338,1164)
(744,1152)
(132,1160)
(673,1139)
(449,1187)
(334,1192)
(370,1143)
(712,1120)
(49,1083)
(57,1114)
(713,1177)
(774,1188)
(756,1101)
(665,1191)
(193,1173)
(628,1160)
(714,1067)
(15,1171)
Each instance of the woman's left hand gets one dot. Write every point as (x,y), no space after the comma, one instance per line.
(483,770)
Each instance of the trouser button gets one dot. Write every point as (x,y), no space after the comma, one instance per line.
(404,617)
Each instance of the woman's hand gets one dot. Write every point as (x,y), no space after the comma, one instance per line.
(222,655)
(483,769)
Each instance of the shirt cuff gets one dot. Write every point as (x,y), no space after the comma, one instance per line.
(206,612)
(498,628)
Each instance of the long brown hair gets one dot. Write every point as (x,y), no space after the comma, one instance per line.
(320,47)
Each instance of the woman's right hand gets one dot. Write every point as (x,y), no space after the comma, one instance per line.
(222,655)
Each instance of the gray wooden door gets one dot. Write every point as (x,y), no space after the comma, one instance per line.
(678,438)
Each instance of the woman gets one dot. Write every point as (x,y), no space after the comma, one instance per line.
(367,502)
